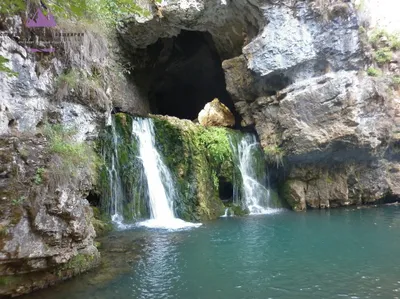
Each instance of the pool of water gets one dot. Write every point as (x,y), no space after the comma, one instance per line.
(344,253)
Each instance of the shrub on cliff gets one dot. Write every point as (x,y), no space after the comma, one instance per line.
(71,155)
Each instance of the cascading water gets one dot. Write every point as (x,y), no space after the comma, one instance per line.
(255,195)
(115,186)
(161,189)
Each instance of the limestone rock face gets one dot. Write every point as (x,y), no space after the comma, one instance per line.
(338,135)
(45,219)
(336,117)
(216,114)
(46,231)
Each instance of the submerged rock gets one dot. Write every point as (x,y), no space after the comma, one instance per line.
(216,114)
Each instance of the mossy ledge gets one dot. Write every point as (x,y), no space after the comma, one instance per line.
(200,158)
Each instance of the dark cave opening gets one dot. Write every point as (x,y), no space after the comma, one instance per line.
(93,198)
(225,190)
(182,74)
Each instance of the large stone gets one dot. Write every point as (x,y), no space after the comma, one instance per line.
(216,114)
(336,117)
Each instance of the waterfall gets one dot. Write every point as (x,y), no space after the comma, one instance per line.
(114,180)
(161,187)
(255,195)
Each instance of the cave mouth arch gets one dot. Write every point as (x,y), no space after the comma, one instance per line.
(182,74)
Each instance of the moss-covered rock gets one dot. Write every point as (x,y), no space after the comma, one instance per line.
(198,157)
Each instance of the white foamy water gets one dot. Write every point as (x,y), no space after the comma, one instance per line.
(256,194)
(161,186)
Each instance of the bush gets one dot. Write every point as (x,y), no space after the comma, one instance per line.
(373,72)
(72,155)
(38,178)
(383,55)
(5,69)
(392,40)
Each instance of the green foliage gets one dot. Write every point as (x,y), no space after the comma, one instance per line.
(5,69)
(373,72)
(383,44)
(73,154)
(3,231)
(362,30)
(383,55)
(360,5)
(38,178)
(274,154)
(396,80)
(9,7)
(216,142)
(112,11)
(99,11)
(392,41)
(79,263)
(69,78)
(19,201)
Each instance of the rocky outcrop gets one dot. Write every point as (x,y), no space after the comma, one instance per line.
(216,114)
(49,113)
(337,134)
(326,117)
(45,219)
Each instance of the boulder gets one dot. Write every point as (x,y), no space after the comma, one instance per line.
(216,114)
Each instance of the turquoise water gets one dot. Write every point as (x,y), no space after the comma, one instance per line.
(345,253)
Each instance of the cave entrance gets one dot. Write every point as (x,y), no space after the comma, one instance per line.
(185,73)
(225,190)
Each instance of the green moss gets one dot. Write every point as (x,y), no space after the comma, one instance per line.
(3,231)
(7,281)
(79,263)
(329,180)
(274,154)
(101,222)
(285,192)
(198,158)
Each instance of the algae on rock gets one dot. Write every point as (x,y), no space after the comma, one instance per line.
(200,157)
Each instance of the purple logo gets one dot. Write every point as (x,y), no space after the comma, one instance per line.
(41,20)
(49,50)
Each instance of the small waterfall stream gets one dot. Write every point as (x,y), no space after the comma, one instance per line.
(159,180)
(255,194)
(115,184)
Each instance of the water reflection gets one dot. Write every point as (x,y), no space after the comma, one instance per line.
(158,272)
(319,254)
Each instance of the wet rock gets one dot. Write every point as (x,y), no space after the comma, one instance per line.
(216,114)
